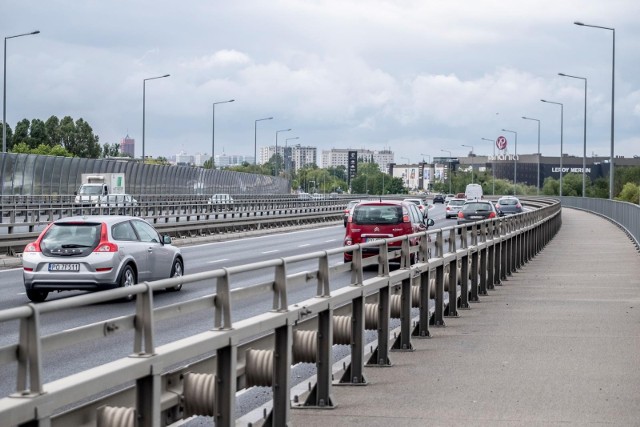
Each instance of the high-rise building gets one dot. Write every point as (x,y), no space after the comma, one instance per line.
(292,157)
(128,146)
(340,157)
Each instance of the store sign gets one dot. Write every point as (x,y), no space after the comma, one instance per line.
(570,170)
(352,165)
(509,157)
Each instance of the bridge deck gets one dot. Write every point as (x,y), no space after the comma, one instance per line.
(558,343)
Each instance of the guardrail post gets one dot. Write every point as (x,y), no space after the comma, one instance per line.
(403,343)
(422,328)
(483,271)
(474,276)
(144,323)
(281,376)
(354,375)
(464,280)
(29,356)
(380,356)
(148,396)
(438,318)
(225,390)
(452,309)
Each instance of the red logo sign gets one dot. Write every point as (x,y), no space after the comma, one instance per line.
(501,143)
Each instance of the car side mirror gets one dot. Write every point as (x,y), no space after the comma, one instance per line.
(166,239)
(430,222)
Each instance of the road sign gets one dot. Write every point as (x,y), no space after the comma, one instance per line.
(501,143)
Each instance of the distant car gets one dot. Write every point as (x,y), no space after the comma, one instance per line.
(94,253)
(438,198)
(449,197)
(304,196)
(347,210)
(476,210)
(376,220)
(460,196)
(453,207)
(220,199)
(508,205)
(424,209)
(317,196)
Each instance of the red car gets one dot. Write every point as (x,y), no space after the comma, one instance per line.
(375,220)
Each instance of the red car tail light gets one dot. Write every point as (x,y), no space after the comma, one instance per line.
(460,214)
(448,208)
(405,218)
(105,245)
(519,206)
(492,215)
(497,206)
(35,246)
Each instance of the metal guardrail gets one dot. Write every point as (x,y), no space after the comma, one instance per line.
(449,272)
(181,218)
(624,214)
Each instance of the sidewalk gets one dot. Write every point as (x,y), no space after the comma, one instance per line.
(557,344)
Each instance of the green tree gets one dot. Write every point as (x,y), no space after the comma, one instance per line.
(21,134)
(110,150)
(630,193)
(9,134)
(52,128)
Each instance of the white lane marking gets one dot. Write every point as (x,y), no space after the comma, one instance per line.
(217,260)
(331,240)
(306,244)
(259,237)
(270,252)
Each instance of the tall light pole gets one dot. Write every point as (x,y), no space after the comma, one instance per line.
(450,173)
(277,162)
(561,135)
(613,85)
(255,138)
(213,132)
(284,157)
(584,132)
(515,162)
(4,90)
(428,161)
(493,164)
(470,146)
(144,95)
(538,179)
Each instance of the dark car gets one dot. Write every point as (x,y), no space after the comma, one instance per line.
(508,205)
(377,220)
(476,210)
(438,198)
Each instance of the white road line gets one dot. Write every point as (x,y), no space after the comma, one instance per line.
(329,241)
(270,252)
(217,260)
(306,244)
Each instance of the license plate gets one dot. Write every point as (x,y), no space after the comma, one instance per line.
(374,239)
(64,267)
(475,217)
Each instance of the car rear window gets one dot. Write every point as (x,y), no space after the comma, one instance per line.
(476,206)
(457,202)
(377,214)
(508,202)
(71,238)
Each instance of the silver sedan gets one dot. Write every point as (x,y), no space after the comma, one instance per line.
(94,253)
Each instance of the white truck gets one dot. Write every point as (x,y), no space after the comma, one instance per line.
(473,192)
(94,186)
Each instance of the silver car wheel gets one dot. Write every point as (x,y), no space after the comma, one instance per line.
(128,279)
(176,271)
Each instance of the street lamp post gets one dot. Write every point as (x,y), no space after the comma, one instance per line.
(447,151)
(144,95)
(213,132)
(584,133)
(561,135)
(284,157)
(277,162)
(428,161)
(4,90)
(493,164)
(255,138)
(613,85)
(515,162)
(538,179)
(470,146)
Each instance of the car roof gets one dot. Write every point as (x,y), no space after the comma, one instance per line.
(107,219)
(456,199)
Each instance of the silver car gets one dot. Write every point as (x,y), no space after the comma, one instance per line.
(94,253)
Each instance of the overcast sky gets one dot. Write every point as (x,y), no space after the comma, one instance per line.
(414,76)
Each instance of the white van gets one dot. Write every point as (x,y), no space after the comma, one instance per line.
(473,192)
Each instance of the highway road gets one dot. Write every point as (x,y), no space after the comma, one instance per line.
(198,258)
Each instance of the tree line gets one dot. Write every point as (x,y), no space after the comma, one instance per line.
(55,137)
